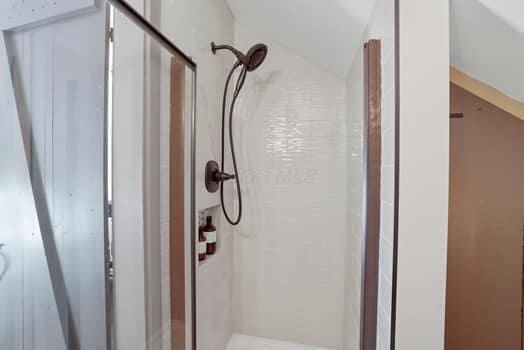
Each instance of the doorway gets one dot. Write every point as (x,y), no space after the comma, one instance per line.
(486,214)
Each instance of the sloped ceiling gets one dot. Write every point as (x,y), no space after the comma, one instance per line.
(487,36)
(325,32)
(487,42)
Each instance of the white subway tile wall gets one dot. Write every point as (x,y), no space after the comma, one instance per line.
(290,247)
(355,203)
(214,290)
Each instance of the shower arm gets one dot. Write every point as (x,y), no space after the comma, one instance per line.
(215,48)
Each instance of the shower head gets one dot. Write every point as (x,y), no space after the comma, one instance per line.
(251,61)
(255,56)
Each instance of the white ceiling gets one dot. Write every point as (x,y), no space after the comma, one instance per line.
(325,32)
(510,11)
(487,42)
(487,36)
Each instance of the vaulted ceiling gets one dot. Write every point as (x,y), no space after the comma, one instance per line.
(487,42)
(325,32)
(487,36)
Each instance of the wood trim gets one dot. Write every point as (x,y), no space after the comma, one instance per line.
(487,92)
(372,154)
(176,207)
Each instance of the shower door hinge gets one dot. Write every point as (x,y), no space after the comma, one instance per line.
(110,209)
(111,34)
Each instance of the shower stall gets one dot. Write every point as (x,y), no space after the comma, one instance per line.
(163,193)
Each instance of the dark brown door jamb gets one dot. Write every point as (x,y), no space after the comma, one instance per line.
(372,156)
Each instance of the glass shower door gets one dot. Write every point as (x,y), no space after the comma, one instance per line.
(87,119)
(152,179)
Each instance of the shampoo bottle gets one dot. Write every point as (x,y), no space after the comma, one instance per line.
(201,245)
(210,232)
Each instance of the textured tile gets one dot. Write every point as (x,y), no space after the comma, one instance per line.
(289,249)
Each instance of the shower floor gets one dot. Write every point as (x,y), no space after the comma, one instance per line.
(244,342)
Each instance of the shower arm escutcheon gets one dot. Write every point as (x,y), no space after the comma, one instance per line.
(214,177)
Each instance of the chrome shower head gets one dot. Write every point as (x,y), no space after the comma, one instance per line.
(251,61)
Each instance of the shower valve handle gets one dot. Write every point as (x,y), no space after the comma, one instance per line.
(219,176)
(214,177)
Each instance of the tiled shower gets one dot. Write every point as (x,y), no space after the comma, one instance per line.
(288,277)
(289,250)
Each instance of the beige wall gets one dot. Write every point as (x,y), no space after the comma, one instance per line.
(488,93)
(484,286)
(424,173)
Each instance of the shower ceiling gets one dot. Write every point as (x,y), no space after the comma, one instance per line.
(325,32)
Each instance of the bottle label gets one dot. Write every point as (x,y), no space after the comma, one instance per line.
(211,237)
(202,247)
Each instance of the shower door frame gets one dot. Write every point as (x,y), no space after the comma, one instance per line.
(396,196)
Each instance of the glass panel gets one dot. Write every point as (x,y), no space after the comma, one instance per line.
(90,123)
(151,134)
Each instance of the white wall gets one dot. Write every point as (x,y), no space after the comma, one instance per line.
(192,25)
(215,290)
(424,166)
(481,32)
(382,27)
(289,248)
